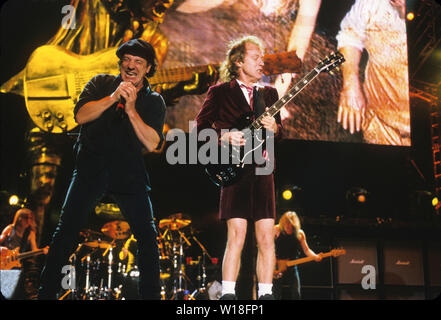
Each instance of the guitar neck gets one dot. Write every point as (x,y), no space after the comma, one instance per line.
(304,260)
(275,108)
(30,254)
(178,74)
(276,63)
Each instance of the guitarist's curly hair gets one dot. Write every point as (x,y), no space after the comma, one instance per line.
(235,53)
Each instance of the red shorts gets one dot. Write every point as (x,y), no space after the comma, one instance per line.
(252,197)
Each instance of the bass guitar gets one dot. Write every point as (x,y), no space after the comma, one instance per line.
(12,259)
(282,265)
(225,174)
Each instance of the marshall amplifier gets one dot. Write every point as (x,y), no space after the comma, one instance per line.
(316,274)
(359,261)
(350,293)
(434,265)
(404,293)
(403,264)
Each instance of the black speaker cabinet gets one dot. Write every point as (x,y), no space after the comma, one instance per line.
(317,293)
(356,293)
(434,265)
(404,293)
(435,293)
(403,264)
(316,274)
(358,255)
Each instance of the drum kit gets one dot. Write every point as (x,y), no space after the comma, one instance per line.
(105,267)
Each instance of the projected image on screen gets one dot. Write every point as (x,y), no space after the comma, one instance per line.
(367,101)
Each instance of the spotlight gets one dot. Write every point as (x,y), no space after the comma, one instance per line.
(290,197)
(410,16)
(357,194)
(426,201)
(290,191)
(287,194)
(361,198)
(435,201)
(13,200)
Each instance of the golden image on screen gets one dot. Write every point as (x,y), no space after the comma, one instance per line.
(367,102)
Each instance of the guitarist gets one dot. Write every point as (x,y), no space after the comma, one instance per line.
(252,197)
(289,239)
(21,233)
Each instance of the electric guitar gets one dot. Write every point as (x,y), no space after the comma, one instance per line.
(54,77)
(12,258)
(225,174)
(282,265)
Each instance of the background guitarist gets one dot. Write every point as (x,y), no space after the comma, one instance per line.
(289,239)
(252,197)
(21,234)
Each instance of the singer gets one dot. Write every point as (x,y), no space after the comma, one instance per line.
(119,117)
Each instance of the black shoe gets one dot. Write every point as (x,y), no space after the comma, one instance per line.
(228,296)
(267,297)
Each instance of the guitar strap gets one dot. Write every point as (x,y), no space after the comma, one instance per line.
(24,240)
(258,101)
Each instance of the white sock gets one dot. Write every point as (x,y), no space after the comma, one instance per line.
(228,287)
(265,288)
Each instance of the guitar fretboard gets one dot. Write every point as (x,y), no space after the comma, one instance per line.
(30,254)
(178,74)
(275,108)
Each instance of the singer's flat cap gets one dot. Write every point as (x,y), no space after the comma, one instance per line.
(139,48)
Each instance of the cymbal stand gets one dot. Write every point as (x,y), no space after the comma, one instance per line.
(73,262)
(109,271)
(87,287)
(179,283)
(109,250)
(203,276)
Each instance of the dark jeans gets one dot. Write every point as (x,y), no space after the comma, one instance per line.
(80,200)
(288,286)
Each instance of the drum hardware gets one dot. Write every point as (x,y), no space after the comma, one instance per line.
(97,244)
(109,211)
(202,277)
(175,222)
(178,266)
(87,287)
(72,261)
(117,230)
(180,278)
(105,274)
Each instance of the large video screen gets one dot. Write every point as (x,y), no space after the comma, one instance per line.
(366,101)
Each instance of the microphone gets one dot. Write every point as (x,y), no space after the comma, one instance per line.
(120,107)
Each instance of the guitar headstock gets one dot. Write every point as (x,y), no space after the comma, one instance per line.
(281,62)
(338,252)
(331,62)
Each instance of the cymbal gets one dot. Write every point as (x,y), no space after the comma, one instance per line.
(88,232)
(117,230)
(175,222)
(109,210)
(98,244)
(164,275)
